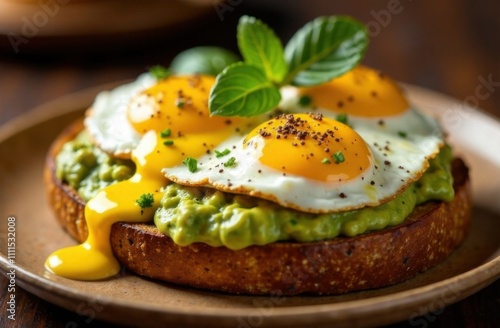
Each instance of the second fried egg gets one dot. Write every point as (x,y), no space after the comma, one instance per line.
(313,164)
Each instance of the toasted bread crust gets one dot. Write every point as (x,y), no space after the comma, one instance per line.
(68,206)
(333,266)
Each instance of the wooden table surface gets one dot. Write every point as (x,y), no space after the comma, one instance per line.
(448,46)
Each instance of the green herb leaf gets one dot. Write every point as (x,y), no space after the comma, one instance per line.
(165,133)
(230,162)
(260,46)
(342,118)
(223,153)
(179,102)
(145,201)
(305,101)
(402,134)
(191,163)
(325,161)
(243,90)
(338,157)
(203,60)
(159,72)
(168,142)
(325,48)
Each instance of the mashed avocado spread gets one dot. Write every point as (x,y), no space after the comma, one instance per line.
(88,169)
(190,215)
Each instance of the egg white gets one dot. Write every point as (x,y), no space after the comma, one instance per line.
(107,123)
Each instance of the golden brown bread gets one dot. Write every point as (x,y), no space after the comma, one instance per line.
(334,266)
(68,206)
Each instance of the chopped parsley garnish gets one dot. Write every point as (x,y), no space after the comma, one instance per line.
(168,142)
(223,153)
(159,72)
(342,118)
(325,161)
(338,157)
(179,102)
(230,162)
(165,133)
(305,101)
(402,134)
(191,163)
(145,201)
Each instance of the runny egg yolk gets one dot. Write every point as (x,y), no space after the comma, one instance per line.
(179,103)
(311,146)
(172,132)
(360,92)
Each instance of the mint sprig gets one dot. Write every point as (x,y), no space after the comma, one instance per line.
(260,46)
(323,49)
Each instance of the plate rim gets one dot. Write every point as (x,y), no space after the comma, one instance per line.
(489,271)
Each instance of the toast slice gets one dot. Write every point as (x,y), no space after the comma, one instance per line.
(335,266)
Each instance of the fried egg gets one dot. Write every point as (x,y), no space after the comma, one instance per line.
(368,99)
(313,164)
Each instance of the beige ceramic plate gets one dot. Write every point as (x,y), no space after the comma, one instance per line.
(129,299)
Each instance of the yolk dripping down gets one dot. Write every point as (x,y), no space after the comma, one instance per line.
(192,133)
(312,146)
(360,92)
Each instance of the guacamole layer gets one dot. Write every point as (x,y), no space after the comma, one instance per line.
(189,215)
(88,169)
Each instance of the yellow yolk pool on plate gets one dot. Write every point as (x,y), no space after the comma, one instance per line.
(171,133)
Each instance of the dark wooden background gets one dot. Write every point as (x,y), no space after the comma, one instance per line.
(442,45)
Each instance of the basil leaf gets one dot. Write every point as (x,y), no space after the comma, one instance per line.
(325,48)
(260,46)
(243,90)
(203,60)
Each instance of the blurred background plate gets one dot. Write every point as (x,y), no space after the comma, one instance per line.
(65,21)
(95,17)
